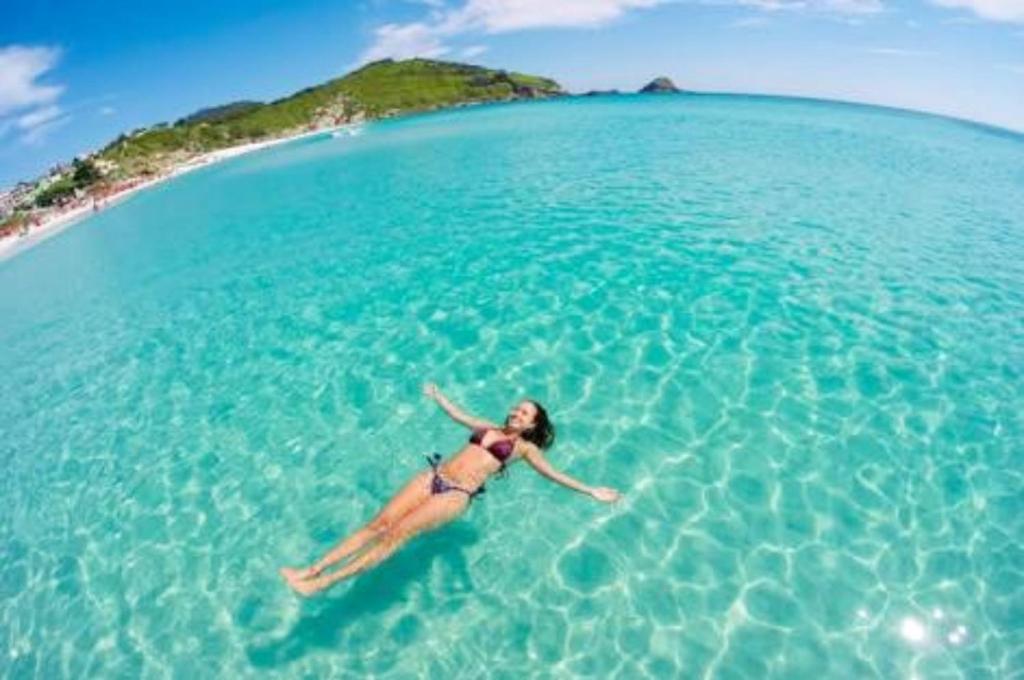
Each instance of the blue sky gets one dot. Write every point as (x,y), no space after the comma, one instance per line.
(73,75)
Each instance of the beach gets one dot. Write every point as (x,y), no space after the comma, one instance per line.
(57,221)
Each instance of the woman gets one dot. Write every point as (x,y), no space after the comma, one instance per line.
(439,495)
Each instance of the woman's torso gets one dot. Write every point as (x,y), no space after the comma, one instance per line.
(487,451)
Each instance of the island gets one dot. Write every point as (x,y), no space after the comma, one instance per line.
(659,85)
(144,156)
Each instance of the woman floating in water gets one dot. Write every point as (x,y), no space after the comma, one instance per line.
(437,496)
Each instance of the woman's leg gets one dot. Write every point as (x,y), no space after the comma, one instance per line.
(440,509)
(413,494)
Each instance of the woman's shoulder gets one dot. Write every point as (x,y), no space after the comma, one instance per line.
(526,448)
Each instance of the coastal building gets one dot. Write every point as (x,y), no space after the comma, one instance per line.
(19,196)
(104,166)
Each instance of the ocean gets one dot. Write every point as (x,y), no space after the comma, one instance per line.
(788,331)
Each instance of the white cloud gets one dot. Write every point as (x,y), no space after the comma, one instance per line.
(27,105)
(852,6)
(898,52)
(403,41)
(996,10)
(472,51)
(845,7)
(107,111)
(36,124)
(40,132)
(427,38)
(34,119)
(20,69)
(499,16)
(750,22)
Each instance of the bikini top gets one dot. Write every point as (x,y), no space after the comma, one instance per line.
(500,449)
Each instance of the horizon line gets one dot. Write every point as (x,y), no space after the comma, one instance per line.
(1001,130)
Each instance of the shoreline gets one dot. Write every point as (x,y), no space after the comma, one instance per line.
(14,244)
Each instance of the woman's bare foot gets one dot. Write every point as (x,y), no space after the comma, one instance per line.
(299,583)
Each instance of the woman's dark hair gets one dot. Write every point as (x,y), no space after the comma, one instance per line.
(543,431)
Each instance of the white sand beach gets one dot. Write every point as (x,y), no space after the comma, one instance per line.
(59,220)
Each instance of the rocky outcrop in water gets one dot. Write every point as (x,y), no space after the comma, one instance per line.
(659,85)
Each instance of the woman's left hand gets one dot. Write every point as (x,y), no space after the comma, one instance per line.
(605,494)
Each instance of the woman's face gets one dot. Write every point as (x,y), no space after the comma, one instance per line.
(522,416)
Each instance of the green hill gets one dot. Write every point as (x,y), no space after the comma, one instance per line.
(379,89)
(215,113)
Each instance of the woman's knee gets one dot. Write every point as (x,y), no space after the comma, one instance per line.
(380,525)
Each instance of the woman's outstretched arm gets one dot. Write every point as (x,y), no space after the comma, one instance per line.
(536,458)
(453,411)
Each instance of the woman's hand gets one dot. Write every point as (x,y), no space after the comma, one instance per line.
(430,389)
(605,494)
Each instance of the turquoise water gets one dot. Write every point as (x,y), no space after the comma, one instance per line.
(791,333)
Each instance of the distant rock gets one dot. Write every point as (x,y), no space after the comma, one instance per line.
(521,86)
(600,93)
(530,92)
(661,84)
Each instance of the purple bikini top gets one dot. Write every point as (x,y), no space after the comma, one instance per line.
(500,449)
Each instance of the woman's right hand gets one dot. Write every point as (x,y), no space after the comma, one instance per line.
(605,494)
(430,389)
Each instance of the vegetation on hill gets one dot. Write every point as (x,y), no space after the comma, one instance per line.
(417,84)
(83,174)
(379,89)
(215,113)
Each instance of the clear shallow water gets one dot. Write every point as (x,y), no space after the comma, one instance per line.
(789,331)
